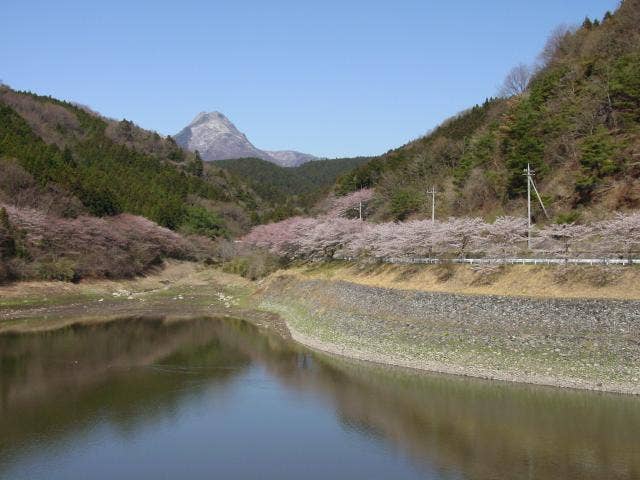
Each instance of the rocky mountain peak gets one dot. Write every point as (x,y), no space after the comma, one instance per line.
(217,138)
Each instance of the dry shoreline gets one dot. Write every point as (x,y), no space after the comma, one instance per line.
(438,367)
(591,344)
(181,290)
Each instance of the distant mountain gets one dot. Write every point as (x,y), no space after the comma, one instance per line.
(290,158)
(216,138)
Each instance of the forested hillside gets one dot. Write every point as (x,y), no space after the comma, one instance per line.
(75,186)
(291,190)
(75,161)
(575,117)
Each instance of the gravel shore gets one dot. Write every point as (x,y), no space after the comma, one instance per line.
(588,344)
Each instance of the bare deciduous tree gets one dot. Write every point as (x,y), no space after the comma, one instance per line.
(554,43)
(516,81)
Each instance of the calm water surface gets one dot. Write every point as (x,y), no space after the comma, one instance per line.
(204,399)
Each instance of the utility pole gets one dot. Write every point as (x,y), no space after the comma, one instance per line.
(528,174)
(432,191)
(530,183)
(360,210)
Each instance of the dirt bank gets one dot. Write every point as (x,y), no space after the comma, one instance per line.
(612,282)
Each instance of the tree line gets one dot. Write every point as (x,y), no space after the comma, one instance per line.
(332,236)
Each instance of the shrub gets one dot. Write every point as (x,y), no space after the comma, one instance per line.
(444,271)
(568,217)
(563,273)
(595,276)
(408,272)
(254,266)
(600,276)
(62,269)
(486,274)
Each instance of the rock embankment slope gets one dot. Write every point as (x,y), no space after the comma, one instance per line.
(582,343)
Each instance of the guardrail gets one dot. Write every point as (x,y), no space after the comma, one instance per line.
(508,261)
(519,261)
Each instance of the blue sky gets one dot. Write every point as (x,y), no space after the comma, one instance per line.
(332,78)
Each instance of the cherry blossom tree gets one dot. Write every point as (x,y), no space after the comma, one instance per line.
(621,234)
(118,246)
(460,234)
(390,241)
(504,235)
(341,206)
(420,237)
(329,235)
(324,237)
(372,241)
(283,238)
(560,239)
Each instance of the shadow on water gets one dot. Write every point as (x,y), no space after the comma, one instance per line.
(135,372)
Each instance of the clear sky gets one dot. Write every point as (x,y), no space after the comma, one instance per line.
(332,78)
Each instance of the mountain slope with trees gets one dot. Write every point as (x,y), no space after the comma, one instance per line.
(575,117)
(106,167)
(292,190)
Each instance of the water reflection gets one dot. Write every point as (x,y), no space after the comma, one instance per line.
(136,374)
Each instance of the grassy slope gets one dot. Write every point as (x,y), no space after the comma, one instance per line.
(578,125)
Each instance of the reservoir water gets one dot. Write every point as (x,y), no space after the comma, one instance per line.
(211,398)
